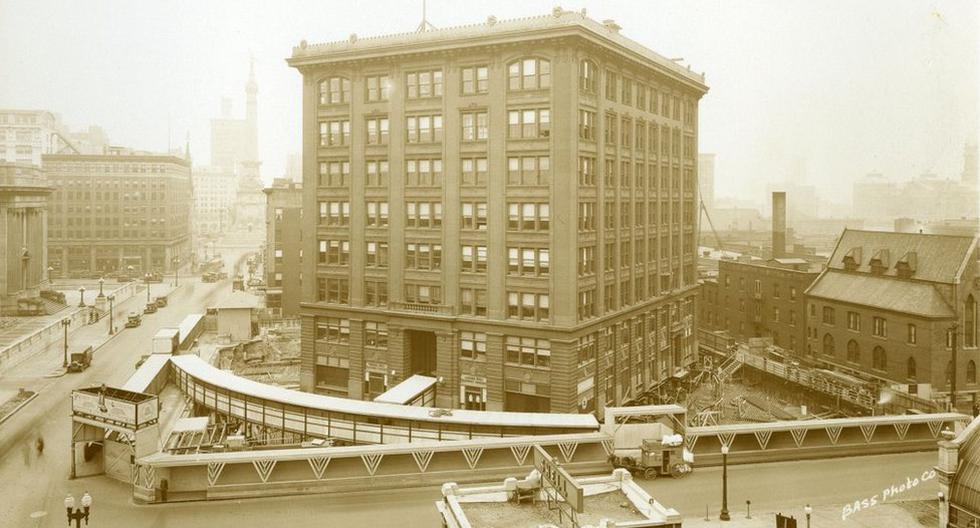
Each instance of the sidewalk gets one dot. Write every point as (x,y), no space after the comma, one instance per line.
(910,514)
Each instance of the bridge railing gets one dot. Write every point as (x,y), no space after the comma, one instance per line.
(796,440)
(354,468)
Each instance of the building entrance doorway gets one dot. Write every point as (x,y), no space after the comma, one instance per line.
(422,352)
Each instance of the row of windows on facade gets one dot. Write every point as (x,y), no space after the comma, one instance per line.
(521,216)
(522,74)
(427,256)
(526,351)
(652,325)
(532,306)
(74,168)
(879,326)
(757,288)
(879,359)
(526,170)
(521,124)
(521,305)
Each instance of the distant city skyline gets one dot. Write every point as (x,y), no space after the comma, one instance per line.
(900,100)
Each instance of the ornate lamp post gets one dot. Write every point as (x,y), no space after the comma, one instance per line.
(64,324)
(724,485)
(111,299)
(808,511)
(101,282)
(77,514)
(81,291)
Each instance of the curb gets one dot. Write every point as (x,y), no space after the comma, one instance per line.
(19,407)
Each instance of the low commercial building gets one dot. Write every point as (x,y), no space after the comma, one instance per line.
(24,193)
(121,209)
(893,306)
(284,246)
(759,298)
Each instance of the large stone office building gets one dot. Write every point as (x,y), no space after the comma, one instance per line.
(23,230)
(121,209)
(508,206)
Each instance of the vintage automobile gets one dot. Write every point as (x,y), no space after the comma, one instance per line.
(151,307)
(161,301)
(81,360)
(133,320)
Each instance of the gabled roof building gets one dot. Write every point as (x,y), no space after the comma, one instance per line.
(893,306)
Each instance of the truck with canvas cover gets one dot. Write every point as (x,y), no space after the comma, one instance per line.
(648,440)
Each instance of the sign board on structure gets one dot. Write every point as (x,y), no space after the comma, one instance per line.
(131,410)
(555,476)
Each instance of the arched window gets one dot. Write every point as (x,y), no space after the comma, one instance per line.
(853,352)
(971,372)
(910,368)
(529,74)
(828,345)
(879,359)
(335,90)
(588,77)
(970,322)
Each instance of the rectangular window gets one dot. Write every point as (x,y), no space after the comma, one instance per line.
(334,252)
(528,216)
(529,74)
(473,345)
(375,293)
(475,79)
(473,171)
(423,293)
(586,304)
(528,306)
(828,315)
(378,88)
(377,254)
(586,216)
(377,214)
(334,133)
(474,259)
(586,260)
(333,330)
(880,327)
(529,170)
(334,213)
(377,131)
(473,301)
(423,129)
(528,261)
(474,126)
(423,214)
(375,335)
(586,125)
(377,173)
(528,352)
(911,334)
(334,290)
(423,256)
(423,173)
(854,321)
(528,124)
(586,171)
(424,84)
(611,82)
(474,215)
(335,90)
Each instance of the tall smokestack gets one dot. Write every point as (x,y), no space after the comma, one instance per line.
(778,224)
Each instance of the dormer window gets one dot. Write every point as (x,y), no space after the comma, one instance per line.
(905,267)
(879,262)
(852,259)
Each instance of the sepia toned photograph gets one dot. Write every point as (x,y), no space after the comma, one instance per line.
(512,264)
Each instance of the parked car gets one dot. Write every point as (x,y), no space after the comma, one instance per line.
(151,307)
(161,301)
(80,360)
(133,320)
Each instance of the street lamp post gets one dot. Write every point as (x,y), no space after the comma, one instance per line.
(50,279)
(81,291)
(111,299)
(808,511)
(64,324)
(724,485)
(176,271)
(147,279)
(101,282)
(77,514)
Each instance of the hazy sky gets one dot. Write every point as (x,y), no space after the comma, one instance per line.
(840,88)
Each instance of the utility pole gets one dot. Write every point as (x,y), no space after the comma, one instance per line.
(952,384)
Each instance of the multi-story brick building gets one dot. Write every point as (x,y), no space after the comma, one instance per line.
(886,306)
(121,209)
(509,206)
(760,298)
(283,248)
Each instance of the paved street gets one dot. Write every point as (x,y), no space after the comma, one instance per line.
(48,415)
